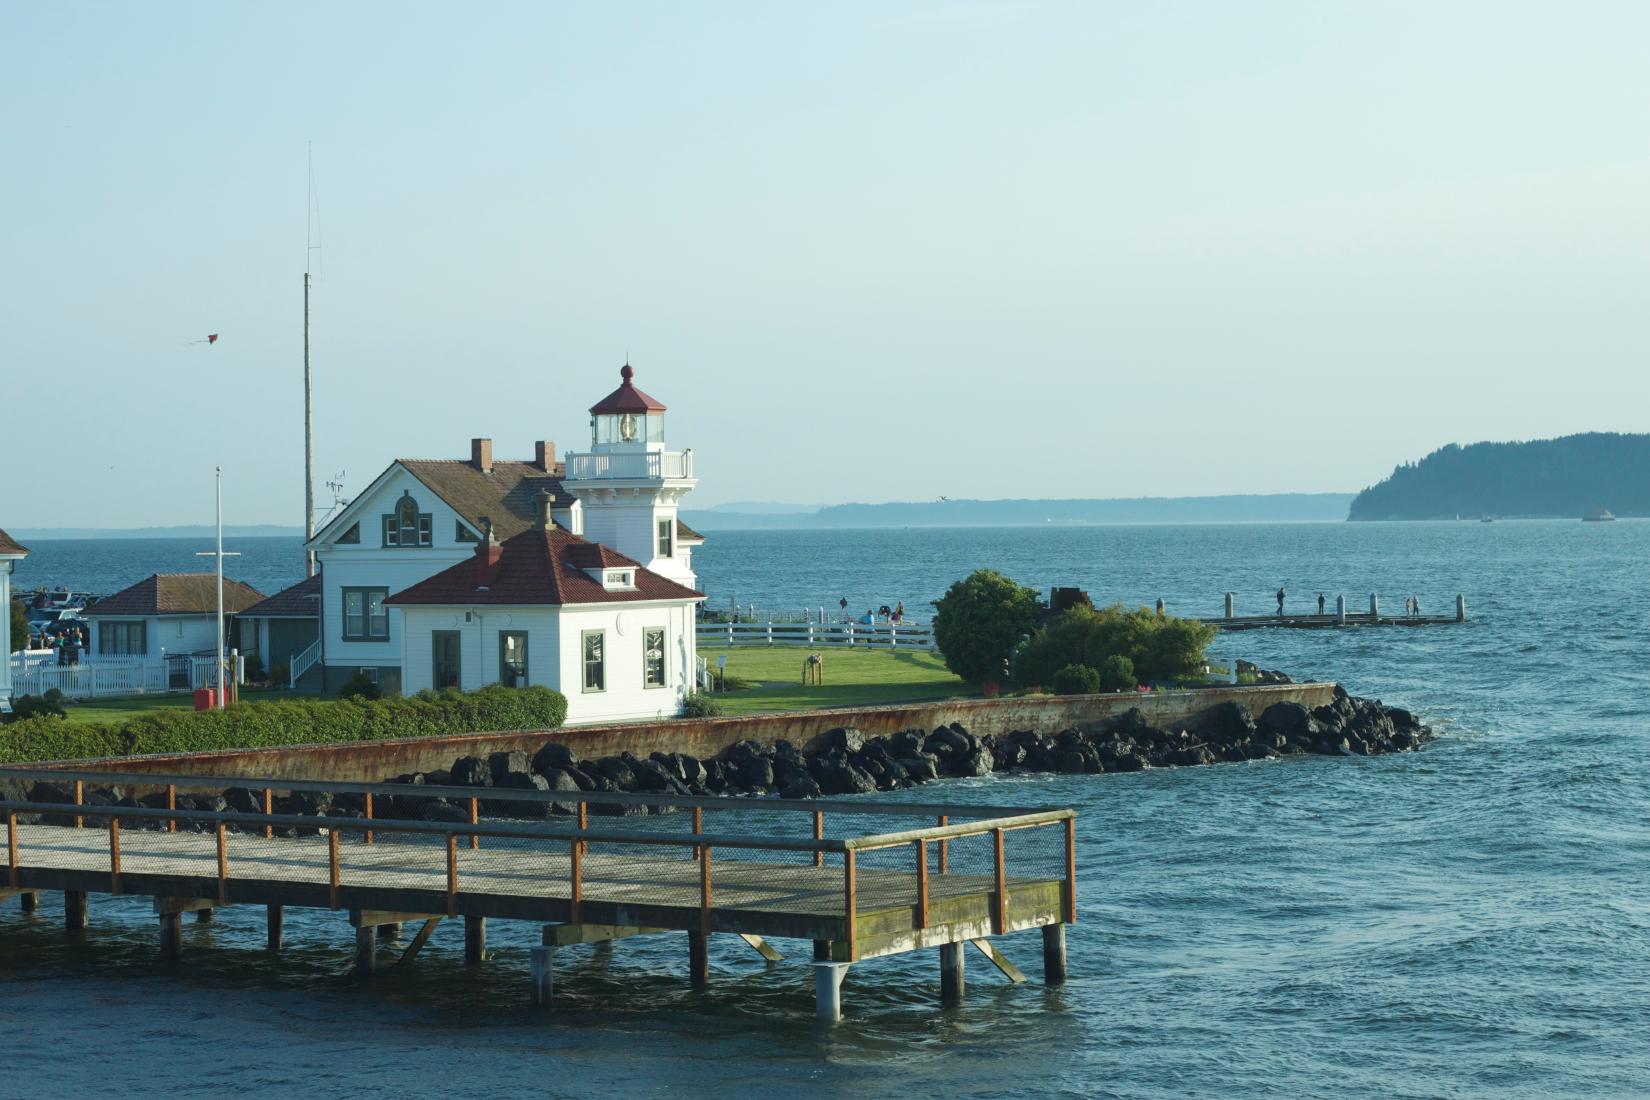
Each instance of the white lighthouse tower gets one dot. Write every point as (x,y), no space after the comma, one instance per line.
(629,485)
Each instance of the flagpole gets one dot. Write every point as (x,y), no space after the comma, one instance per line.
(219,555)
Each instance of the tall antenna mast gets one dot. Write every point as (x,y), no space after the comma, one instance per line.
(310,219)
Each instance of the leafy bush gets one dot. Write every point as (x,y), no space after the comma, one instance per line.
(700,705)
(360,686)
(979,622)
(1117,674)
(281,674)
(255,668)
(1076,680)
(286,722)
(38,706)
(1157,647)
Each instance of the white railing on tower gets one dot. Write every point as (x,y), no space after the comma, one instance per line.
(617,467)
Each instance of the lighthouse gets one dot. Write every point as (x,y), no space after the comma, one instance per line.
(630,484)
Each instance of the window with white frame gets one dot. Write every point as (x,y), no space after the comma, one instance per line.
(512,658)
(407,526)
(366,619)
(595,660)
(667,537)
(653,657)
(128,639)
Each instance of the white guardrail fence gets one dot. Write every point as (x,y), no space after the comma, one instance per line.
(817,635)
(112,677)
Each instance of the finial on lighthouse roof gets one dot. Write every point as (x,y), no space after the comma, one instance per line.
(627,398)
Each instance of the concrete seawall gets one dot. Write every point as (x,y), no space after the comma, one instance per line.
(374,761)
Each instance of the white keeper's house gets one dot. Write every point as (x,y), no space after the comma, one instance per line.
(576,575)
(10,554)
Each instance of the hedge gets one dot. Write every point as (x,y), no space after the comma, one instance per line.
(254,725)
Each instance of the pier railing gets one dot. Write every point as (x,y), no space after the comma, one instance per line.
(824,870)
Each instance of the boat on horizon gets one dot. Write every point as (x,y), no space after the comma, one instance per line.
(1599,515)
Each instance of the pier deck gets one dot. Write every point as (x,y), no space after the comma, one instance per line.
(856,897)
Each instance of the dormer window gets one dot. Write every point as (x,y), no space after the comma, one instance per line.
(615,580)
(407,526)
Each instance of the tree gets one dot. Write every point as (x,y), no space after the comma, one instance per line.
(19,627)
(1149,645)
(979,622)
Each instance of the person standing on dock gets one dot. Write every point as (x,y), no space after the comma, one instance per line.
(1415,605)
(1280,599)
(1320,603)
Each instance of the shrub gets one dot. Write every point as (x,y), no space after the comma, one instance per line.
(38,706)
(1117,674)
(286,722)
(255,668)
(1157,647)
(281,674)
(360,686)
(700,705)
(979,622)
(1075,680)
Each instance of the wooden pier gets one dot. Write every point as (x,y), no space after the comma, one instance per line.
(964,875)
(1334,616)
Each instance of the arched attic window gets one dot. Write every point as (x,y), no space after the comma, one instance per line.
(407,526)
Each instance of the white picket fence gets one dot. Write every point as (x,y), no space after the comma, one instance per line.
(113,677)
(818,635)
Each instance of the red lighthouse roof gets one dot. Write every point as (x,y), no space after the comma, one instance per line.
(627,398)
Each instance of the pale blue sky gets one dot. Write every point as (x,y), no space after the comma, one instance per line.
(863,251)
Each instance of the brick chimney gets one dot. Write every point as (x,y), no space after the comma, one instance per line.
(481,455)
(488,555)
(544,455)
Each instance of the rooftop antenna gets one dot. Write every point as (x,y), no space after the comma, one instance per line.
(312,231)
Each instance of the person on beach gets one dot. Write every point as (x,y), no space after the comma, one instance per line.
(1280,599)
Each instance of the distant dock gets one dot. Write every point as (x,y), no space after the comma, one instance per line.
(1339,617)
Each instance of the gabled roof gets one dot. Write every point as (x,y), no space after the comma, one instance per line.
(177,594)
(627,398)
(508,495)
(684,533)
(301,601)
(10,547)
(541,567)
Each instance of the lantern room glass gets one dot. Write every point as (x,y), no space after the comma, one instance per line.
(612,428)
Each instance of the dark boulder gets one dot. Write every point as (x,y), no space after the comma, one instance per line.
(799,785)
(472,771)
(616,772)
(906,743)
(920,768)
(1289,719)
(976,763)
(1070,763)
(755,774)
(844,738)
(552,754)
(1227,723)
(508,763)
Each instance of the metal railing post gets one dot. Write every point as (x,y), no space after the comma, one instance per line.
(575,902)
(114,855)
(922,884)
(11,846)
(334,876)
(1071,870)
(999,909)
(850,898)
(819,834)
(223,863)
(452,874)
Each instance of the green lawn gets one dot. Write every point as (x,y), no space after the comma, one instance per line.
(853,677)
(119,710)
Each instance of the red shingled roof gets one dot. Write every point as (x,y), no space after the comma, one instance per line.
(627,398)
(542,567)
(301,601)
(8,545)
(177,594)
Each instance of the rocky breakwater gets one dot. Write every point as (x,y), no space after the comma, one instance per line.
(844,762)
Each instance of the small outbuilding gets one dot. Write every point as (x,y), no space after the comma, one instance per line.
(171,613)
(282,626)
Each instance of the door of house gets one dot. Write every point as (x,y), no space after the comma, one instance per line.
(444,647)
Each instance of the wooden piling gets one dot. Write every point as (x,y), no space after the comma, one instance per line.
(171,935)
(29,900)
(951,971)
(698,958)
(539,964)
(366,949)
(74,910)
(277,927)
(475,940)
(1054,954)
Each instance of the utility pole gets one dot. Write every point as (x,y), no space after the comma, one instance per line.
(220,555)
(309,442)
